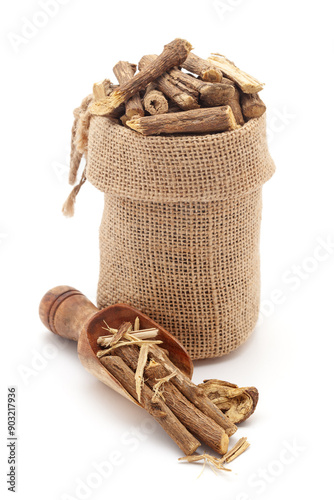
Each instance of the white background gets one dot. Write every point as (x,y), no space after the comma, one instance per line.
(67,420)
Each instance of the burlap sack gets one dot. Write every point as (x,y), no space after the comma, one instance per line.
(179,237)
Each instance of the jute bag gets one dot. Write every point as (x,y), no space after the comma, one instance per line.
(179,237)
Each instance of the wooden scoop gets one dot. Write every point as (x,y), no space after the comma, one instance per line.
(68,313)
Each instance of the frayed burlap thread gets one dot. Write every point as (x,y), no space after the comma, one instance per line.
(79,146)
(179,237)
(79,138)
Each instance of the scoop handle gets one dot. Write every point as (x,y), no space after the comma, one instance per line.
(64,311)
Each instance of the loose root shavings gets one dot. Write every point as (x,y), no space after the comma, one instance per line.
(142,334)
(139,375)
(136,325)
(123,330)
(159,383)
(150,333)
(107,327)
(114,341)
(109,340)
(237,449)
(217,463)
(105,352)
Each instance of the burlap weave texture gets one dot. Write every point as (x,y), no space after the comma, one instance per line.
(179,237)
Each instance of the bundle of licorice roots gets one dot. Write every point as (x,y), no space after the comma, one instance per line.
(192,415)
(179,92)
